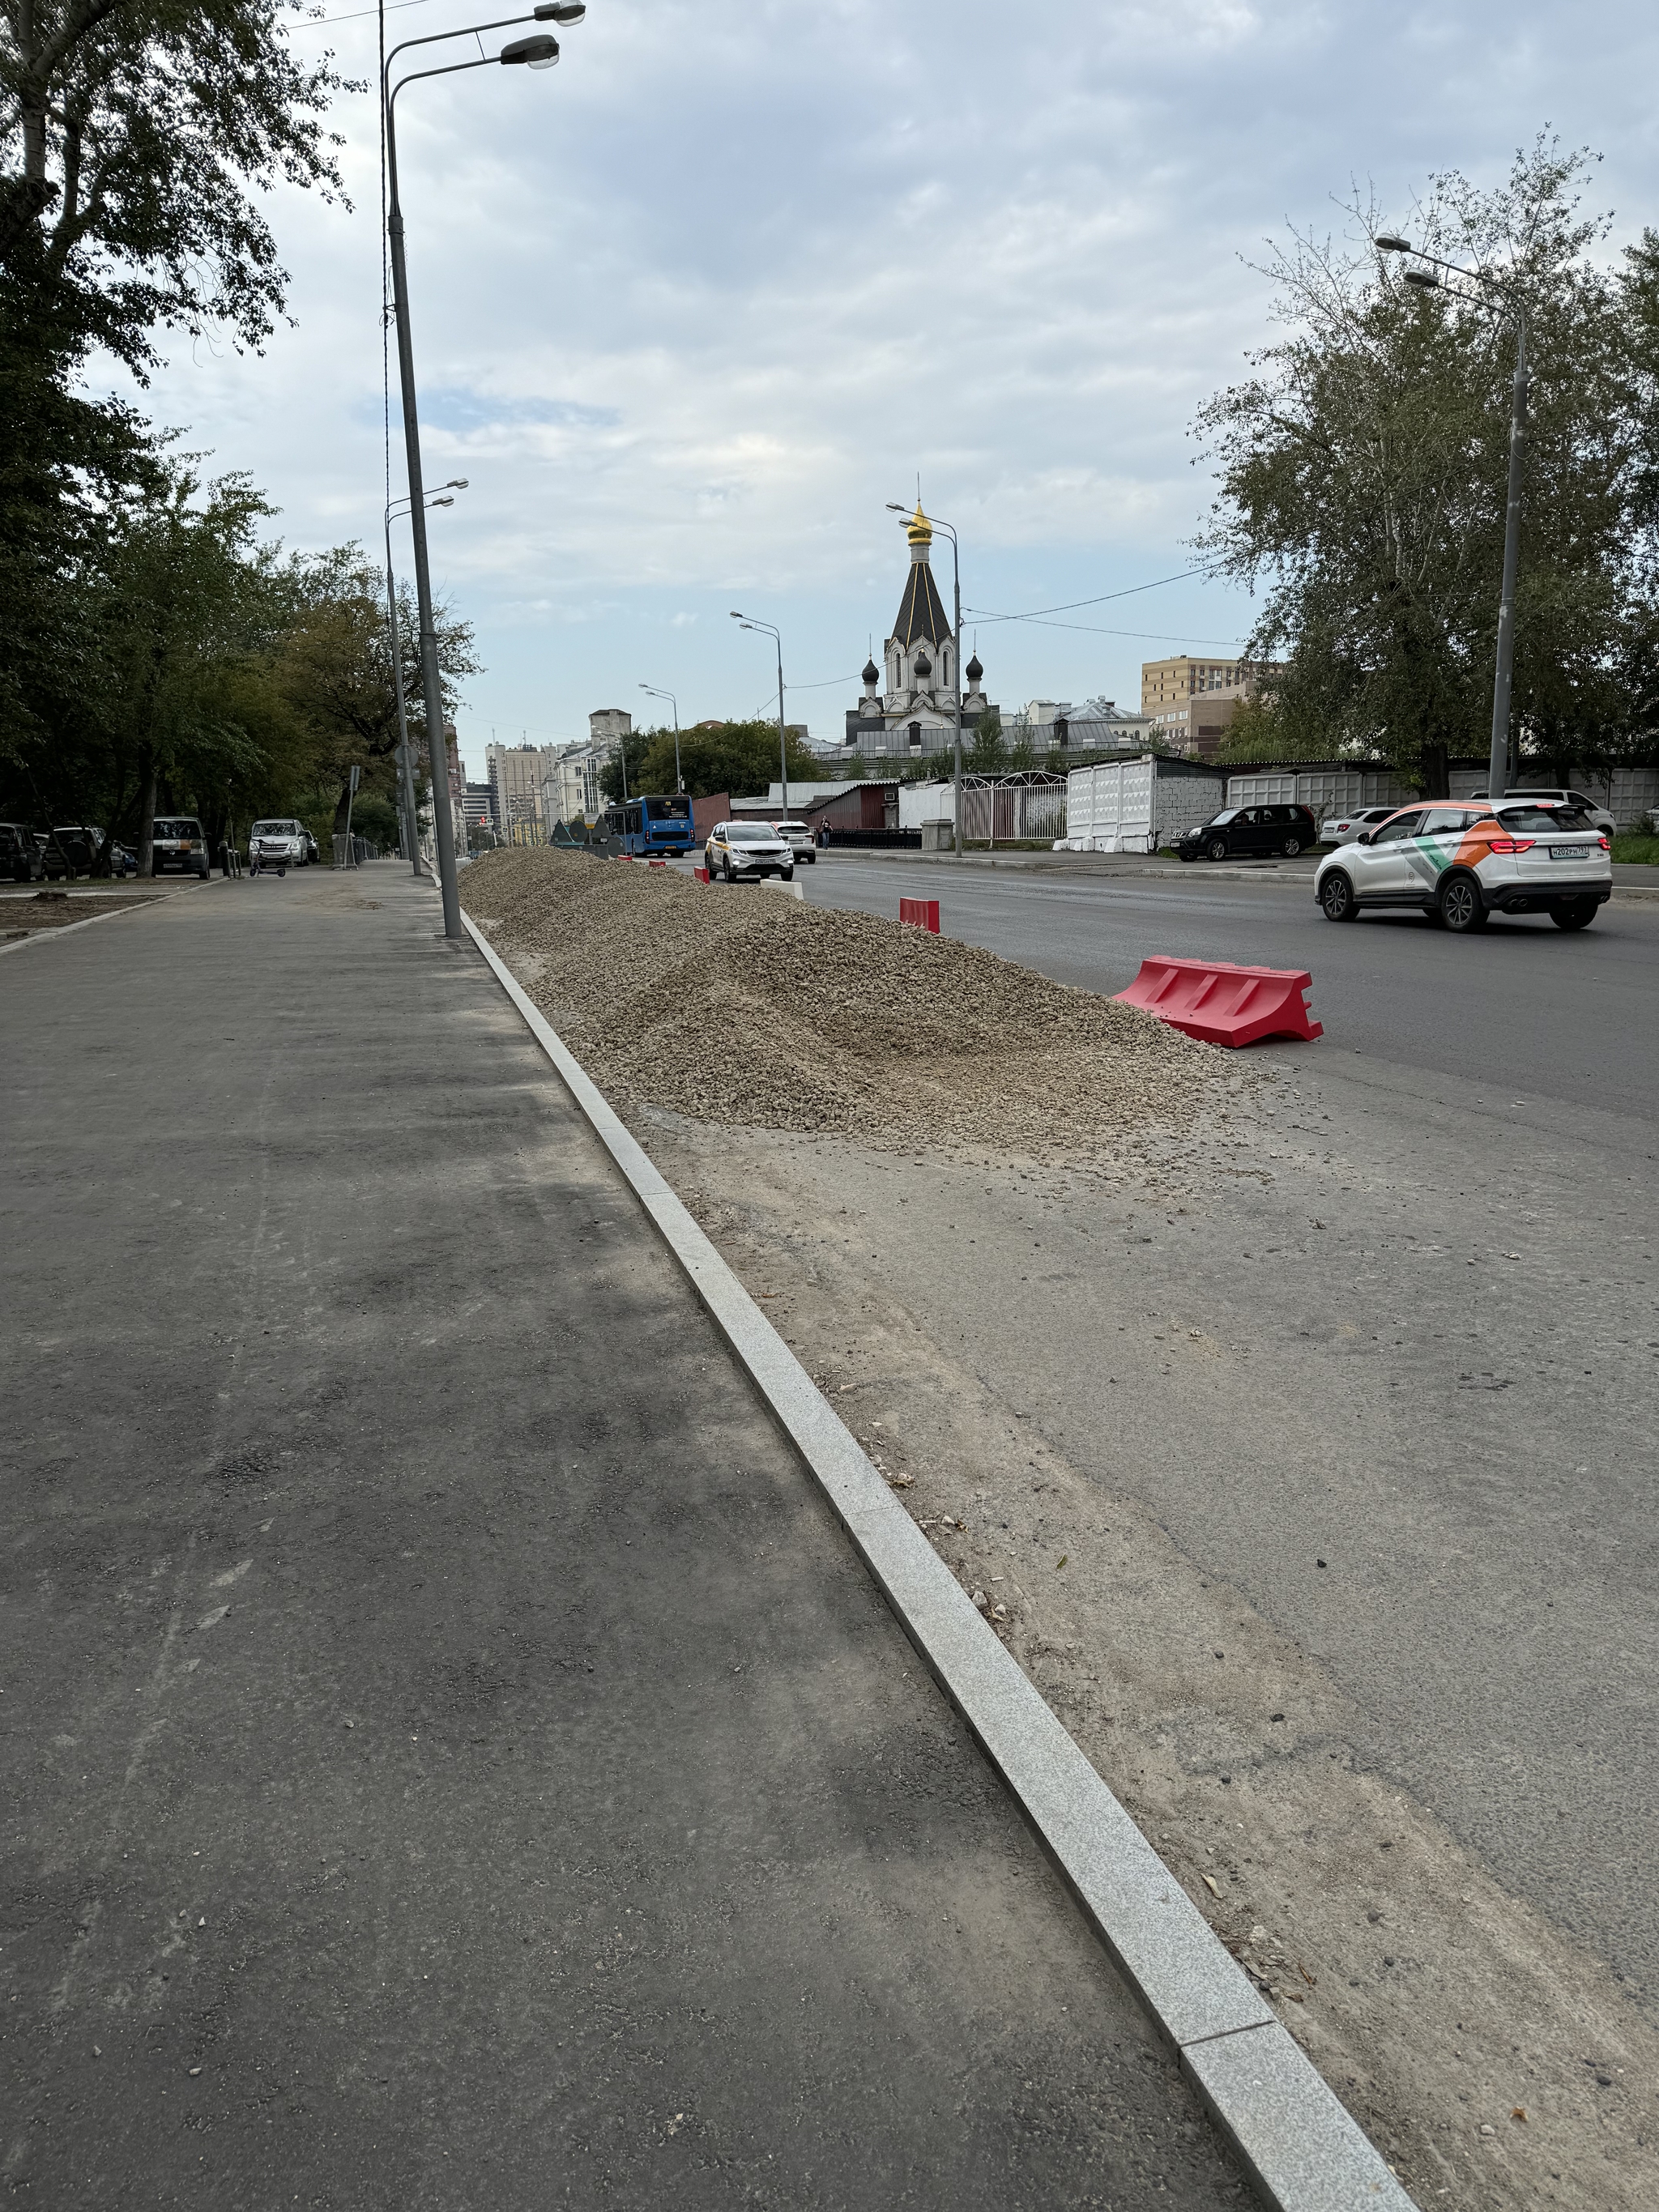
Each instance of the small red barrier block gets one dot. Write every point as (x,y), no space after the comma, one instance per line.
(1221,1004)
(922,913)
(702,875)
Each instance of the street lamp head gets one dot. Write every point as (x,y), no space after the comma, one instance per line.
(893,508)
(456,483)
(540,52)
(441,502)
(736,617)
(1386,242)
(561,11)
(1425,279)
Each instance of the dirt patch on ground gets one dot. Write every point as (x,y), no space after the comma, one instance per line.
(739,1004)
(27,916)
(1494,2061)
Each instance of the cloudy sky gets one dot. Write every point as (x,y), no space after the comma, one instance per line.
(692,308)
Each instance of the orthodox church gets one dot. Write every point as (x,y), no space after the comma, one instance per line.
(914,711)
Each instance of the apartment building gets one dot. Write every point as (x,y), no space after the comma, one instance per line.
(1190,700)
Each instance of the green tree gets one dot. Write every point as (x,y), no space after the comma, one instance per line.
(333,666)
(1362,481)
(989,754)
(738,758)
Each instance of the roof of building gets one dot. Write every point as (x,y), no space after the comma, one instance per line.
(922,611)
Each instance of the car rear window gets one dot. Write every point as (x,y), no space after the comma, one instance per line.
(1530,820)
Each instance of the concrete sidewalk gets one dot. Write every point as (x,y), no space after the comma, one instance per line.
(454,1759)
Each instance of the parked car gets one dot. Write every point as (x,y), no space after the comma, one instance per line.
(1599,817)
(748,848)
(123,860)
(1347,827)
(21,857)
(72,849)
(1459,862)
(1250,832)
(799,838)
(298,846)
(270,846)
(180,842)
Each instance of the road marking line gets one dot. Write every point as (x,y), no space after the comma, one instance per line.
(1303,2149)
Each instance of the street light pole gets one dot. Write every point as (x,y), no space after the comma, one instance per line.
(893,508)
(783,732)
(538,52)
(412,811)
(1498,768)
(679,780)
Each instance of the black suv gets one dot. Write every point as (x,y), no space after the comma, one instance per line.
(1250,832)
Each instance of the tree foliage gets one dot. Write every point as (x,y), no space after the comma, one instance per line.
(1362,477)
(737,758)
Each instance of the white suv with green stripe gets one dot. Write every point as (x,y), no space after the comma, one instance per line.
(1460,862)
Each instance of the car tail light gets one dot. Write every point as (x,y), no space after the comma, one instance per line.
(1511,844)
(1606,843)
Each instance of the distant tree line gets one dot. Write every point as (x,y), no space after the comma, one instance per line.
(1363,476)
(154,652)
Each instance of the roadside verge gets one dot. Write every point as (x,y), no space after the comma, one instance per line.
(1303,2149)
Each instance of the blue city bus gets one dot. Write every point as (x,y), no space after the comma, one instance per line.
(651,827)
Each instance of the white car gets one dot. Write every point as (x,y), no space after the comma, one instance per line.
(1345,828)
(748,848)
(799,838)
(1599,817)
(1459,861)
(282,834)
(179,841)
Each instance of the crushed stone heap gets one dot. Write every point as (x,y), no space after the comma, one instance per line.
(735,1005)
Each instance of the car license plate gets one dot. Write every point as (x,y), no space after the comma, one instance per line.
(1569,852)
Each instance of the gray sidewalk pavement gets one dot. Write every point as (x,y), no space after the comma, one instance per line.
(454,1759)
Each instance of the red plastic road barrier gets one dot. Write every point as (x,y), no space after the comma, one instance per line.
(923,913)
(702,875)
(1221,1004)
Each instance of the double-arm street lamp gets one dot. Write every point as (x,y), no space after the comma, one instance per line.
(539,52)
(1428,272)
(679,780)
(776,636)
(405,758)
(893,508)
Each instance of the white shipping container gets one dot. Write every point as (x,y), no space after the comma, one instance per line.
(1129,806)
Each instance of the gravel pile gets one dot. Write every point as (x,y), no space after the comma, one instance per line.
(740,1006)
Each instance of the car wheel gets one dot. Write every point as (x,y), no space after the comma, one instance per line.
(282,871)
(1573,914)
(1336,899)
(1187,852)
(1459,905)
(731,874)
(786,875)
(1216,849)
(1292,846)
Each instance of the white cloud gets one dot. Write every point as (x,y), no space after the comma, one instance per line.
(689,309)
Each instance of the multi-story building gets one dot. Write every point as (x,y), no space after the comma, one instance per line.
(477,805)
(1191,700)
(515,774)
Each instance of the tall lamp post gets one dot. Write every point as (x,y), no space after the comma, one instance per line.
(411,815)
(783,733)
(1429,276)
(893,508)
(540,52)
(679,780)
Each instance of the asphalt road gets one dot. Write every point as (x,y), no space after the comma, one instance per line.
(452,1758)
(1433,1265)
(1524,1005)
